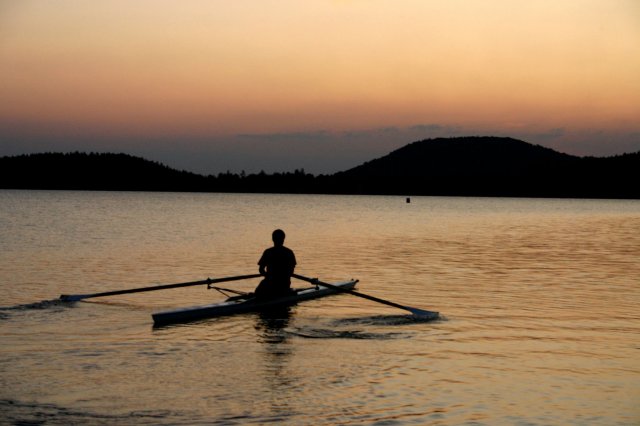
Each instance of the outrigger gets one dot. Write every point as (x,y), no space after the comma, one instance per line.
(247,302)
(244,303)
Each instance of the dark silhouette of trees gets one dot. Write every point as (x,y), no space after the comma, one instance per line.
(469,166)
(491,166)
(81,171)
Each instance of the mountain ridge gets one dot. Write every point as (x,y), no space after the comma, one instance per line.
(464,166)
(466,156)
(494,166)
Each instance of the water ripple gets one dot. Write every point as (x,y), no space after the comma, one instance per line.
(539,310)
(385,320)
(26,413)
(319,333)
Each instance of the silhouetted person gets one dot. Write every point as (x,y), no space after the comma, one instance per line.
(276,264)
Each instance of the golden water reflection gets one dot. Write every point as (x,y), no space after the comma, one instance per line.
(539,300)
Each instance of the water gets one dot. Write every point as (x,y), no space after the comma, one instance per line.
(540,303)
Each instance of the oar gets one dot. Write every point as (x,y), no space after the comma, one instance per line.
(76,297)
(420,313)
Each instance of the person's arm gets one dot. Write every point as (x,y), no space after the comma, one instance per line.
(263,263)
(293,263)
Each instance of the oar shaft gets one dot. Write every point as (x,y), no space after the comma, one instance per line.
(420,313)
(157,287)
(345,290)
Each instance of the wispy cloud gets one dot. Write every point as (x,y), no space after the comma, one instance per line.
(420,131)
(286,136)
(550,134)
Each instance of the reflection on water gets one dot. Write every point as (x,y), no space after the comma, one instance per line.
(539,302)
(272,322)
(277,377)
(319,333)
(389,320)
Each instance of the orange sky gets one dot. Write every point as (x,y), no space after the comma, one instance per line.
(197,74)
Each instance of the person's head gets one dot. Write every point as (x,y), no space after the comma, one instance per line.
(278,237)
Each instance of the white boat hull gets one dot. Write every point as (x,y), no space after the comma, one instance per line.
(239,306)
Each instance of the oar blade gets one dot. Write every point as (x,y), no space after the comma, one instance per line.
(72,297)
(417,313)
(421,314)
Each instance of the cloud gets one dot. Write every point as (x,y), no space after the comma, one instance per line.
(285,137)
(550,134)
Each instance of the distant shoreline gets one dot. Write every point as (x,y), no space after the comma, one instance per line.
(402,196)
(471,166)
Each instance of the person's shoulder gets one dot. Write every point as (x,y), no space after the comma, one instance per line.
(269,251)
(290,254)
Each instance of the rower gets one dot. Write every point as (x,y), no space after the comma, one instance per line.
(276,265)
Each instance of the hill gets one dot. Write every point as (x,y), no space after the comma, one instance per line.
(468,166)
(122,172)
(81,171)
(492,166)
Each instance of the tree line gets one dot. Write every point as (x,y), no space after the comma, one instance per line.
(469,166)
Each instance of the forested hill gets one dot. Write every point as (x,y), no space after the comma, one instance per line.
(492,166)
(464,157)
(469,166)
(82,171)
(122,172)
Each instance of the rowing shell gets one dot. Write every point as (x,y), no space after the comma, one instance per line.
(235,305)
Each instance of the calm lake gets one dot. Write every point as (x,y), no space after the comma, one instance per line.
(540,305)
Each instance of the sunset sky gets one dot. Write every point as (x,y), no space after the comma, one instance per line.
(324,85)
